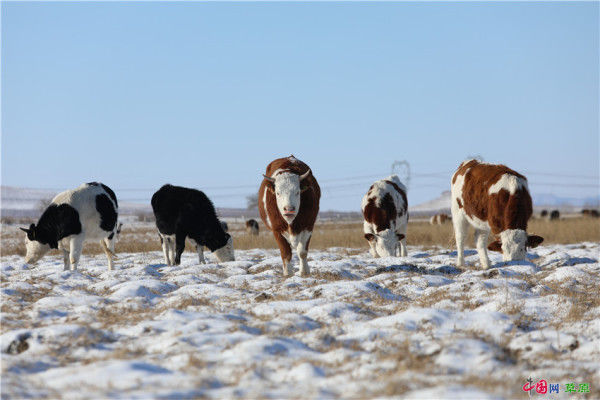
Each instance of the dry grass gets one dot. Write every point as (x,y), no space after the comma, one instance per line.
(331,234)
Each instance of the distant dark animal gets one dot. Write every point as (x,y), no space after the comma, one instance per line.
(385,212)
(224,226)
(544,213)
(439,219)
(555,214)
(590,213)
(491,197)
(288,203)
(181,212)
(252,227)
(87,212)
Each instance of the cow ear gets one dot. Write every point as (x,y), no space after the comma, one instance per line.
(30,232)
(269,183)
(495,246)
(534,240)
(369,236)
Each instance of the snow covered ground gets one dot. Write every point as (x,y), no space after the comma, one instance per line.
(415,327)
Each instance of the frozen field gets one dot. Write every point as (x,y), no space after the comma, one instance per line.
(358,327)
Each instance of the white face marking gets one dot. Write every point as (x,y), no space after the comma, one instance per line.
(35,250)
(514,244)
(225,253)
(509,182)
(386,243)
(287,194)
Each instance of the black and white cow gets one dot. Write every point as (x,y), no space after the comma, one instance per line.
(181,212)
(87,212)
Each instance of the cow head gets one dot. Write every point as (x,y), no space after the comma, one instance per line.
(225,253)
(287,188)
(382,244)
(513,244)
(35,249)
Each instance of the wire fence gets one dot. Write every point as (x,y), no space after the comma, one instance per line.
(353,186)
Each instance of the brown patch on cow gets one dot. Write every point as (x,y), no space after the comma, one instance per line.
(462,168)
(380,215)
(495,246)
(459,203)
(309,204)
(501,210)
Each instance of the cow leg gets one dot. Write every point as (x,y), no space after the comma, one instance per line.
(75,248)
(172,250)
(165,248)
(179,246)
(403,251)
(200,250)
(460,232)
(108,246)
(286,253)
(481,238)
(104,243)
(66,259)
(302,249)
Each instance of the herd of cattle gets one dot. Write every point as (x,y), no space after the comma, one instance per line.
(489,197)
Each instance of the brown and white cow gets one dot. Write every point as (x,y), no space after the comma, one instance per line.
(384,209)
(439,219)
(288,203)
(494,198)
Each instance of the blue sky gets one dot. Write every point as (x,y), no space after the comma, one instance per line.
(207,94)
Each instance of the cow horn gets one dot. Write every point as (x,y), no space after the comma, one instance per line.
(269,178)
(24,230)
(305,175)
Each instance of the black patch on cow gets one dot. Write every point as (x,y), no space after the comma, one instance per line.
(112,234)
(185,213)
(107,189)
(110,193)
(108,214)
(56,223)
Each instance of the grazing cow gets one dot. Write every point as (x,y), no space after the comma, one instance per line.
(224,226)
(288,203)
(439,219)
(544,213)
(252,227)
(555,214)
(384,209)
(87,212)
(590,213)
(181,212)
(492,198)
